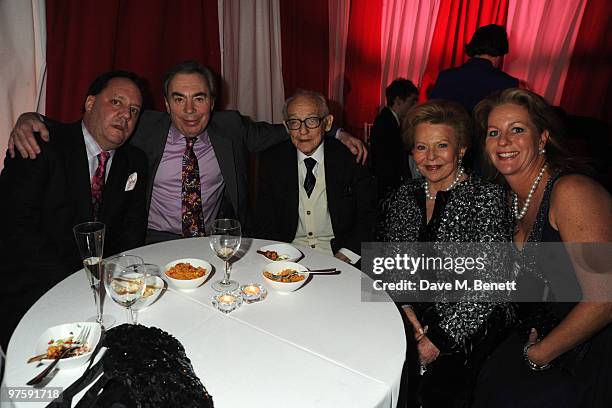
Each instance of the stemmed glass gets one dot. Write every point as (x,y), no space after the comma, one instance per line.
(150,270)
(89,238)
(124,279)
(224,237)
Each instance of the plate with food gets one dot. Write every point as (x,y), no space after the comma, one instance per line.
(285,277)
(187,273)
(154,288)
(280,252)
(62,341)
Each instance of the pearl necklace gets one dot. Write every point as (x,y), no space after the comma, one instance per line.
(519,215)
(453,184)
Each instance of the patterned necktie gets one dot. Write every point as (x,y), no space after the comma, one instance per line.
(97,184)
(192,217)
(310,180)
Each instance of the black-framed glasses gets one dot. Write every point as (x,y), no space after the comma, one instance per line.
(310,123)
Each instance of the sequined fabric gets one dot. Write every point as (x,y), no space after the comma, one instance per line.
(475,211)
(192,216)
(143,367)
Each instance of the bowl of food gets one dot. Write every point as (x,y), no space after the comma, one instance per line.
(62,341)
(285,277)
(280,252)
(188,273)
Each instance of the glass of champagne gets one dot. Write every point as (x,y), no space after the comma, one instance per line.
(224,236)
(124,279)
(89,238)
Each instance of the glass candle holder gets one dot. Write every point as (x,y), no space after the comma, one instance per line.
(253,292)
(227,302)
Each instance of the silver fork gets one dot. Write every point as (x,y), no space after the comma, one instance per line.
(81,339)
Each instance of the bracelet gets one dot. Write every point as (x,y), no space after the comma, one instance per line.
(530,363)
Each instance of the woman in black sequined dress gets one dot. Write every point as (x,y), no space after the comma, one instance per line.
(447,205)
(562,356)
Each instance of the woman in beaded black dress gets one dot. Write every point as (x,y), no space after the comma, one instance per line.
(447,205)
(562,354)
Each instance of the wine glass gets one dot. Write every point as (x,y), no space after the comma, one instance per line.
(150,272)
(124,279)
(224,237)
(89,238)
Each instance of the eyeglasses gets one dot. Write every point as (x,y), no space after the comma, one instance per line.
(310,123)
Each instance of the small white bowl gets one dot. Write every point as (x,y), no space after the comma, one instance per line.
(146,301)
(287,252)
(277,267)
(189,284)
(63,331)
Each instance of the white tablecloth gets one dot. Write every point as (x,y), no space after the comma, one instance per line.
(321,346)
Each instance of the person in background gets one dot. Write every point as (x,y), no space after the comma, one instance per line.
(190,141)
(389,158)
(448,205)
(480,75)
(85,173)
(561,355)
(477,78)
(311,191)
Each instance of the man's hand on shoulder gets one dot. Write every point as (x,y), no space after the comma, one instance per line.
(355,145)
(22,135)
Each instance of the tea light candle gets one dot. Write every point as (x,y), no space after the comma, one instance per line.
(227,299)
(251,290)
(227,302)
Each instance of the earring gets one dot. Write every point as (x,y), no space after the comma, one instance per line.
(542,151)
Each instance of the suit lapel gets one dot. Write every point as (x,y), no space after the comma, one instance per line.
(77,170)
(225,157)
(115,183)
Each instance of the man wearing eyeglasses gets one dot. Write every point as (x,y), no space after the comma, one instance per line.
(311,191)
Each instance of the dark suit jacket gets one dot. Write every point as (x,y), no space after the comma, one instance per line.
(43,199)
(232,136)
(471,82)
(351,196)
(389,157)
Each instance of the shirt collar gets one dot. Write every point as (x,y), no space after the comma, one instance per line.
(91,146)
(176,137)
(317,155)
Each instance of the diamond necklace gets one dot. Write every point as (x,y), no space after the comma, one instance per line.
(453,184)
(519,215)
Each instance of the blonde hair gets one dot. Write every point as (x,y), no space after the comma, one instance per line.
(438,112)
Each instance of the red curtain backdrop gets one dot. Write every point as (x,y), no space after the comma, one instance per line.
(86,38)
(305,44)
(588,90)
(362,72)
(457,20)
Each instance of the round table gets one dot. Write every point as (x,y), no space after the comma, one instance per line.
(332,343)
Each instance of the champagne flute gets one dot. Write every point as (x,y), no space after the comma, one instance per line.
(224,237)
(124,279)
(89,238)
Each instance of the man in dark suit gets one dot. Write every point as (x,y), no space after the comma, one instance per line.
(221,142)
(480,76)
(311,191)
(476,79)
(390,159)
(85,173)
